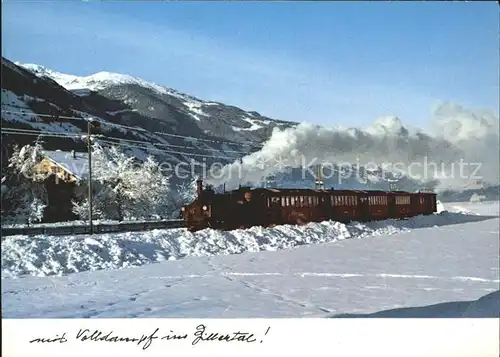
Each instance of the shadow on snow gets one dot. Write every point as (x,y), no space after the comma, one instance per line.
(487,306)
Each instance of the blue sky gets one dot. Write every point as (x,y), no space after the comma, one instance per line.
(327,63)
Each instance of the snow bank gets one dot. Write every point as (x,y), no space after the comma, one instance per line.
(487,306)
(58,255)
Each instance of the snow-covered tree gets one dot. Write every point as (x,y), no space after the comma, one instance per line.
(124,189)
(24,160)
(24,196)
(184,193)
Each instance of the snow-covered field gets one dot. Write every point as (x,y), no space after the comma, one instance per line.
(450,258)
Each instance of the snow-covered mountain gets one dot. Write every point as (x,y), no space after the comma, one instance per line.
(156,101)
(145,118)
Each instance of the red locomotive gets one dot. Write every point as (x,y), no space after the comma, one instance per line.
(267,207)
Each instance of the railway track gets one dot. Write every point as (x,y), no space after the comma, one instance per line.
(97,228)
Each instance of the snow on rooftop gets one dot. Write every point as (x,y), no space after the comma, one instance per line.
(77,165)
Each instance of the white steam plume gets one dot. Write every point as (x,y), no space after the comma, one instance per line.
(463,146)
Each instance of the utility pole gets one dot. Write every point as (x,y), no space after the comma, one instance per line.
(90,125)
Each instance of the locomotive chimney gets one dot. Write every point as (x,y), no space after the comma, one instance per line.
(319,184)
(199,187)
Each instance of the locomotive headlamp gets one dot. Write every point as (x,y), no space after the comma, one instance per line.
(204,208)
(183,209)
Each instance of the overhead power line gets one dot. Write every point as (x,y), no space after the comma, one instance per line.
(5,132)
(54,116)
(188,154)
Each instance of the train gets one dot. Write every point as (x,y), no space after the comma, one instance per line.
(246,207)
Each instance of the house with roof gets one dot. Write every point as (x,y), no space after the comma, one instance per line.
(69,167)
(64,171)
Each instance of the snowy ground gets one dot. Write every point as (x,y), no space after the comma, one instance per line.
(448,259)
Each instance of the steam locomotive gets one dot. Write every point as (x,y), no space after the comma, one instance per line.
(246,207)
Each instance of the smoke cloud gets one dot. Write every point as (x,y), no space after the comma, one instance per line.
(462,146)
